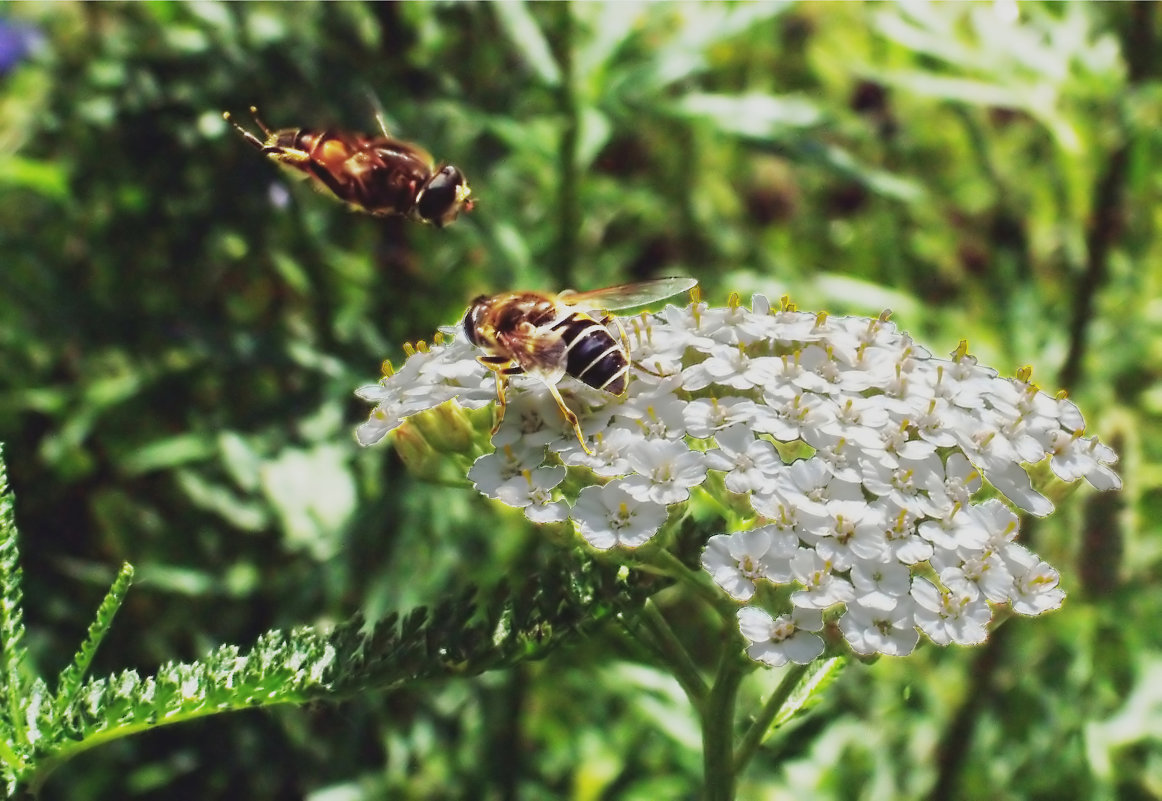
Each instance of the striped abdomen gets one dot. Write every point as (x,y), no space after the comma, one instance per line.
(368,173)
(594,356)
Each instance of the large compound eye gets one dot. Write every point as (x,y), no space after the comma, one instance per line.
(443,197)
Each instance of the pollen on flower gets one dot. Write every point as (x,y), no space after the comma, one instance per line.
(846,459)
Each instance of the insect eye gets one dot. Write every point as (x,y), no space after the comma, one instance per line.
(441,201)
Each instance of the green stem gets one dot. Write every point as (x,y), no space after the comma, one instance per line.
(758,729)
(717,716)
(675,654)
(659,560)
(36,774)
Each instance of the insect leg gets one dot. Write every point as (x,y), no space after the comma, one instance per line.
(502,368)
(609,318)
(645,369)
(501,400)
(303,160)
(570,416)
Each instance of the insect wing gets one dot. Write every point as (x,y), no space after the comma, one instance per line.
(627,296)
(392,147)
(535,349)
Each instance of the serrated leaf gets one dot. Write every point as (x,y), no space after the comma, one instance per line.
(809,691)
(15,654)
(69,682)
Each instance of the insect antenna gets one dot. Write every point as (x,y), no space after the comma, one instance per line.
(258,120)
(377,106)
(251,138)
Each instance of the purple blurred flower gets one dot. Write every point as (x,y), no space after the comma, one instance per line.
(16,42)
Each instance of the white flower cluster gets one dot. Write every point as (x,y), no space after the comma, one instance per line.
(854,453)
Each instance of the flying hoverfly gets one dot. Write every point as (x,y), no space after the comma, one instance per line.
(550,336)
(380,175)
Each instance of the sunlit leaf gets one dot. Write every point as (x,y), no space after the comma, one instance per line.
(809,691)
(525,35)
(758,116)
(46,177)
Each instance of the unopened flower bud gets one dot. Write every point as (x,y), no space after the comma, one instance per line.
(446,428)
(414,451)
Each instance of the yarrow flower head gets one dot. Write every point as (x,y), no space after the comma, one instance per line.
(848,461)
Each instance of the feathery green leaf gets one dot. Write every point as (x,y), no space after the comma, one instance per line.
(69,682)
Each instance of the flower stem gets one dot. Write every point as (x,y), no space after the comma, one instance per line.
(717,716)
(676,656)
(667,564)
(758,729)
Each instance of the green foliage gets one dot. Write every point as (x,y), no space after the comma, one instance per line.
(808,691)
(181,330)
(41,728)
(68,684)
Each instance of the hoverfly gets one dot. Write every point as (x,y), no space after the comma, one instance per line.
(550,336)
(379,175)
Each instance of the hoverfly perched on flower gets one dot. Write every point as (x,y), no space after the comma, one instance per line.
(380,175)
(550,336)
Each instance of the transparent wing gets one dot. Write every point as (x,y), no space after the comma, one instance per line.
(627,296)
(410,150)
(535,349)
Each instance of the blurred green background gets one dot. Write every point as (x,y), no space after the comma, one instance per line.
(182,327)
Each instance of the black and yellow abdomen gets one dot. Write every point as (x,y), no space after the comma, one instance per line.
(594,356)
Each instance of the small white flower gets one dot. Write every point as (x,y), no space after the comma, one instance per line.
(535,494)
(665,471)
(531,419)
(901,535)
(494,470)
(877,631)
(1035,587)
(821,587)
(994,456)
(736,561)
(879,585)
(751,464)
(858,419)
(656,411)
(608,516)
(788,411)
(787,638)
(608,448)
(808,485)
(850,528)
(706,415)
(729,367)
(1075,457)
(949,487)
(985,569)
(955,615)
